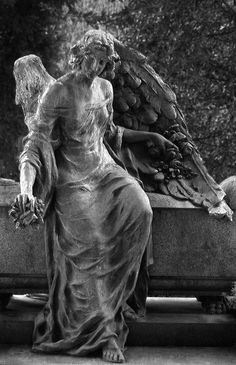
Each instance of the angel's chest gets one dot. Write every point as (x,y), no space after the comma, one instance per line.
(88,117)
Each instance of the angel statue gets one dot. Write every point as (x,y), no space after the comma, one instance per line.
(84,172)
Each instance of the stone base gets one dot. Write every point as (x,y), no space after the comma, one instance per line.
(194,254)
(169,322)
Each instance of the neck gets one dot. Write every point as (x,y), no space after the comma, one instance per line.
(87,79)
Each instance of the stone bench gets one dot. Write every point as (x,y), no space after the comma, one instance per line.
(194,254)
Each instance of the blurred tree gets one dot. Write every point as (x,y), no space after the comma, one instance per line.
(26,26)
(43,27)
(192,44)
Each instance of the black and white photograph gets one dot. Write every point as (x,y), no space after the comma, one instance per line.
(117,182)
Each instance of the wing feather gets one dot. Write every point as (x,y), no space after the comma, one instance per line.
(32,80)
(148,88)
(144,101)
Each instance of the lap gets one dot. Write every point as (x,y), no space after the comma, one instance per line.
(88,210)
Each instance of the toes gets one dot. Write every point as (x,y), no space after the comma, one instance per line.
(121,358)
(110,355)
(132,316)
(113,356)
(107,355)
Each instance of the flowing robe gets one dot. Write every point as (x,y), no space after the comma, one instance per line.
(97,227)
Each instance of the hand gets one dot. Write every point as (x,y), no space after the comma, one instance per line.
(160,146)
(26,202)
(221,210)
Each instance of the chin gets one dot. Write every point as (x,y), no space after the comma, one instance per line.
(109,75)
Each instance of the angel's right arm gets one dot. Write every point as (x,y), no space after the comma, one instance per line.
(27,178)
(41,126)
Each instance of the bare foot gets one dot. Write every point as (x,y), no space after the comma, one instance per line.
(112,352)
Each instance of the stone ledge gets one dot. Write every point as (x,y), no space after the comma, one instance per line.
(169,322)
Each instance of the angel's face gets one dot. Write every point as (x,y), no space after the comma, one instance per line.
(94,64)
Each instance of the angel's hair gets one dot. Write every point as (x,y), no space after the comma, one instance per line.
(32,79)
(92,41)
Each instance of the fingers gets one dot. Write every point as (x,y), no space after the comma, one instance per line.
(17,201)
(21,201)
(171,145)
(32,204)
(24,201)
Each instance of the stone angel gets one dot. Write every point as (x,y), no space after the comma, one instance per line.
(97,216)
(84,170)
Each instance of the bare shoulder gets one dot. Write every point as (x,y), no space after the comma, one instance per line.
(106,87)
(57,90)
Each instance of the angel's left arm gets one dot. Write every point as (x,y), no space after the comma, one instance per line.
(116,135)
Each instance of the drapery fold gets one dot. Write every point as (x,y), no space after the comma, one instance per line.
(97,228)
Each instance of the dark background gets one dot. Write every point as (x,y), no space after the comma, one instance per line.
(191,44)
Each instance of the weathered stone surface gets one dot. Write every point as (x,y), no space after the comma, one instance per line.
(8,191)
(169,322)
(192,251)
(22,251)
(189,243)
(229,187)
(22,254)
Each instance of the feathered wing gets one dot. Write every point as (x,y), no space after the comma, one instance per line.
(143,101)
(32,80)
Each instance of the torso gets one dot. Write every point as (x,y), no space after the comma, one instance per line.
(84,117)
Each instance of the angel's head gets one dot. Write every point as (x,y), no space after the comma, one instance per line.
(94,54)
(32,80)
